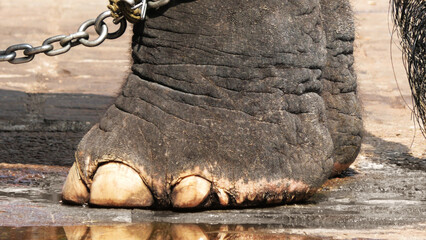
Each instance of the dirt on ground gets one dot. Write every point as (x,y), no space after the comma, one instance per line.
(382,196)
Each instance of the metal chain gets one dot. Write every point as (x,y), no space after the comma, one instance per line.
(120,10)
(66,41)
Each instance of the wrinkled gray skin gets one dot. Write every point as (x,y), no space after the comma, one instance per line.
(257,95)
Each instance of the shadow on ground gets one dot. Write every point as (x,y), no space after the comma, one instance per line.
(45,128)
(392,152)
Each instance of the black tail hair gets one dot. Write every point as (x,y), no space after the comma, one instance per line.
(409,17)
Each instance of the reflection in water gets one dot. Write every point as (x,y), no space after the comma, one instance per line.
(146,231)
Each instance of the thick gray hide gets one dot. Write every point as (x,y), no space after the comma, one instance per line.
(339,82)
(237,91)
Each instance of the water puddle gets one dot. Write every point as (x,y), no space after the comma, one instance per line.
(145,231)
(32,194)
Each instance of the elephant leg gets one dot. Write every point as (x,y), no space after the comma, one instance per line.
(223,108)
(339,81)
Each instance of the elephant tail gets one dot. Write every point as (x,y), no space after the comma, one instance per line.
(409,18)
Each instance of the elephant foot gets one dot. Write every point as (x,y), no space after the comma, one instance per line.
(244,108)
(116,184)
(126,161)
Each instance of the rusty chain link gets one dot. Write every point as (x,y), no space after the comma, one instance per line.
(121,10)
(133,10)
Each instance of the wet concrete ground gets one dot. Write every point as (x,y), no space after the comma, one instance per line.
(379,196)
(46,105)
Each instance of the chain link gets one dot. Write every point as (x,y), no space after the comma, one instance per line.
(120,10)
(65,41)
(14,48)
